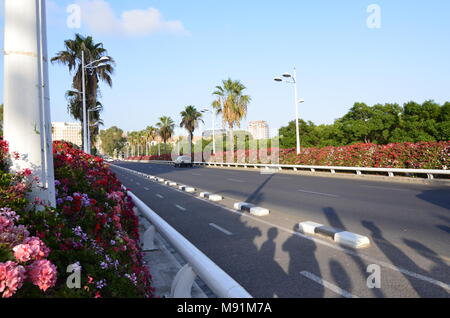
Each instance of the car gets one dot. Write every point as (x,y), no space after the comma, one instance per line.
(183,161)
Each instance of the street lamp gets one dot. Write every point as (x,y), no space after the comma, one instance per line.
(297,101)
(213,127)
(102,61)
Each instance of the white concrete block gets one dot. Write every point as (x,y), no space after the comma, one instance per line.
(189,189)
(239,205)
(308,227)
(215,198)
(258,211)
(204,194)
(351,239)
(173,184)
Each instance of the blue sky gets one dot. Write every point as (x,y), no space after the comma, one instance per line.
(176,59)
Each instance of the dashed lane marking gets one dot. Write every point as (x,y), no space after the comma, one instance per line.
(221,229)
(319,193)
(328,285)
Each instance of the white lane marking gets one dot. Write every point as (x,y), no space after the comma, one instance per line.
(147,189)
(221,229)
(384,188)
(319,193)
(160,196)
(180,207)
(328,285)
(236,180)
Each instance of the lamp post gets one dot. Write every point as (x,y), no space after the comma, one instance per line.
(27,120)
(296,100)
(213,127)
(86,143)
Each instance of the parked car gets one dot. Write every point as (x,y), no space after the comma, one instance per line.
(183,161)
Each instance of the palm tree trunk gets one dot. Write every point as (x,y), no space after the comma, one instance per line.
(191,137)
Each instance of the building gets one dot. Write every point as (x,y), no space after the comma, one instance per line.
(70,132)
(259,129)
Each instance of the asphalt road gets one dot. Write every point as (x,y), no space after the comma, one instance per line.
(408,225)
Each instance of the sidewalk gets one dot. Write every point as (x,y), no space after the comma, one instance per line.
(164,264)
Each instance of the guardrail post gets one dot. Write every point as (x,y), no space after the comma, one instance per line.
(358,172)
(333,171)
(430,176)
(391,174)
(313,170)
(149,239)
(182,284)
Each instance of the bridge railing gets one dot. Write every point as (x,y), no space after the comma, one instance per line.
(198,264)
(391,172)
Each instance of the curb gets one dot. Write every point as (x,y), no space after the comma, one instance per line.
(211,197)
(248,207)
(341,237)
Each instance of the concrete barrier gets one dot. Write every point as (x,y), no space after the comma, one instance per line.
(341,237)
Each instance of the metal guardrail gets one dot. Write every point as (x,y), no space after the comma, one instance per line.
(198,264)
(358,170)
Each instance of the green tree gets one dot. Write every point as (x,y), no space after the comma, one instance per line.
(190,117)
(113,140)
(166,128)
(71,57)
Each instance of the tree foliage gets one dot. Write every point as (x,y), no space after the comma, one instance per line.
(378,124)
(113,140)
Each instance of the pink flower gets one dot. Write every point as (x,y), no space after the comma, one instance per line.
(43,274)
(38,249)
(23,253)
(12,277)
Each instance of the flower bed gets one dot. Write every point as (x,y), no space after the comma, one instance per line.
(93,229)
(423,155)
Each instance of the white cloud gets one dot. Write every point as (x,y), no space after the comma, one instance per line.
(100,18)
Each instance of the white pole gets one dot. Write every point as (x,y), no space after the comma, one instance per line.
(296,111)
(85,126)
(27,124)
(214,131)
(49,175)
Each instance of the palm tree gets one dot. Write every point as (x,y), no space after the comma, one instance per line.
(190,119)
(231,103)
(71,57)
(166,128)
(150,133)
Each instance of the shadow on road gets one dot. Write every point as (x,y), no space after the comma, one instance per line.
(335,221)
(399,258)
(439,197)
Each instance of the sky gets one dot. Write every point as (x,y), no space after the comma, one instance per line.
(172,53)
